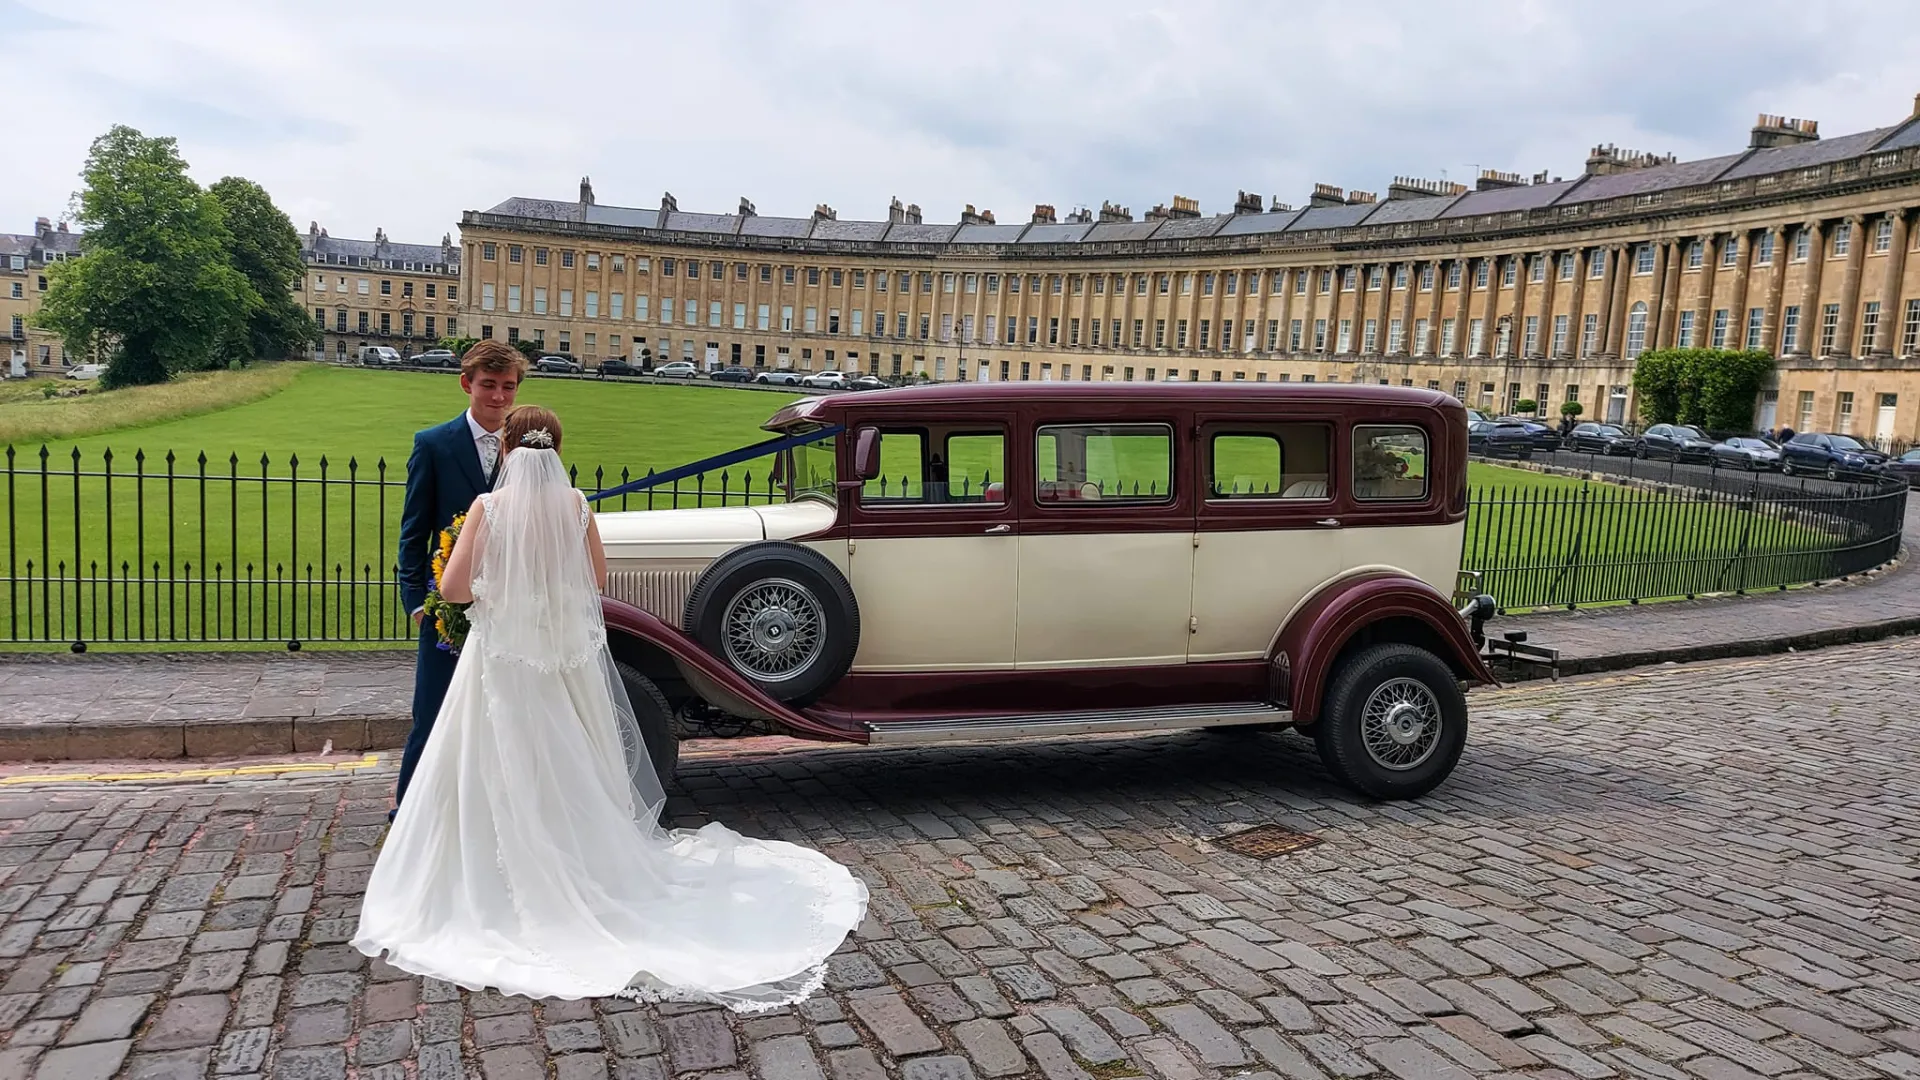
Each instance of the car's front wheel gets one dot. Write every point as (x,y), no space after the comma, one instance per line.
(780,615)
(1394,722)
(654,717)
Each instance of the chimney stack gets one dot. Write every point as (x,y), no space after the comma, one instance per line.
(1327,195)
(1184,207)
(1770,131)
(1359,198)
(746,208)
(1494,178)
(586,191)
(1247,203)
(896,212)
(1082,216)
(1610,159)
(913,213)
(823,212)
(1277,206)
(1110,212)
(1043,214)
(668,204)
(1407,187)
(42,226)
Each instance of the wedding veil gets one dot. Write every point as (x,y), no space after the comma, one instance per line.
(536,578)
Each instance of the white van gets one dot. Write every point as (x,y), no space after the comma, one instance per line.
(379,356)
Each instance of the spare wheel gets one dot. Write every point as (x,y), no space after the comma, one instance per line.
(780,615)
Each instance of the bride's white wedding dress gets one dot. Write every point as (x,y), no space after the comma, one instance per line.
(527,857)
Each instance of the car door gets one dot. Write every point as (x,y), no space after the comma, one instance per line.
(932,552)
(1268,531)
(1106,539)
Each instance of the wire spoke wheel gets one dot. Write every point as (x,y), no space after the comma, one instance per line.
(1400,724)
(774,629)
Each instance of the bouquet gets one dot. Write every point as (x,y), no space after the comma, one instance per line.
(449,619)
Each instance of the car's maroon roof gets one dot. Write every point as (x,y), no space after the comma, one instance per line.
(829,408)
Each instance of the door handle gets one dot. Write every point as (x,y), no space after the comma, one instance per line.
(999,529)
(1331,523)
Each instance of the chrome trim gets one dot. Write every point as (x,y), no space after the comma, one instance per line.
(1175,718)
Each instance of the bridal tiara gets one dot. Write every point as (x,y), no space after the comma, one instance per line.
(537,437)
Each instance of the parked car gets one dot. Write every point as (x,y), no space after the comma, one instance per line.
(1545,438)
(380,356)
(86,371)
(437,358)
(615,366)
(1834,456)
(1748,453)
(1493,439)
(1289,554)
(1597,438)
(678,369)
(1674,442)
(1906,467)
(557,365)
(778,378)
(827,380)
(868,382)
(732,374)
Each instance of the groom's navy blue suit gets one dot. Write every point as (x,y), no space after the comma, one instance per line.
(444,476)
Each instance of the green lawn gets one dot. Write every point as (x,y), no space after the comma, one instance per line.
(208,546)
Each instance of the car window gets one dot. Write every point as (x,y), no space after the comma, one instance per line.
(1128,463)
(1389,462)
(1287,461)
(903,470)
(976,468)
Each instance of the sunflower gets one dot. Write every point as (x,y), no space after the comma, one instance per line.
(449,619)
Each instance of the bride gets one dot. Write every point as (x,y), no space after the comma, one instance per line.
(527,857)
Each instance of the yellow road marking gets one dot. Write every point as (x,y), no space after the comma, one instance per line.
(365,761)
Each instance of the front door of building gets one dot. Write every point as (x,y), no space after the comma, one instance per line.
(1883,420)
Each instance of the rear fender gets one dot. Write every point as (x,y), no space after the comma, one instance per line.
(1367,608)
(708,676)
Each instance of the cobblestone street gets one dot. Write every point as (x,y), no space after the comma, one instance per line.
(1685,872)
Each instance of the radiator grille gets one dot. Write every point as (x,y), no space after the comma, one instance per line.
(661,593)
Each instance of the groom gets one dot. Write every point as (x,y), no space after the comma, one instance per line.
(450,465)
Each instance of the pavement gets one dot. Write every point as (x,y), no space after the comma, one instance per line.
(1700,873)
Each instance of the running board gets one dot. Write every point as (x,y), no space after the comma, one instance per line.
(1177,718)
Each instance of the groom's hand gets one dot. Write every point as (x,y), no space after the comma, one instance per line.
(419,616)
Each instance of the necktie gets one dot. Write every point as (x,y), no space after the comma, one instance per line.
(489,453)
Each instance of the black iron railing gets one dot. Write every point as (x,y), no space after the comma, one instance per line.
(139,548)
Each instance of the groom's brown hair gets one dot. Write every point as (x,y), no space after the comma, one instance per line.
(495,356)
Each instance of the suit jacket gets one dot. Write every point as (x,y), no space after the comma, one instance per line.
(444,476)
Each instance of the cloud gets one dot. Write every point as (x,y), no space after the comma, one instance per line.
(360,114)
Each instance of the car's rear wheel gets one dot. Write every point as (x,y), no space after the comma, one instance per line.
(1786,467)
(780,615)
(1394,722)
(654,718)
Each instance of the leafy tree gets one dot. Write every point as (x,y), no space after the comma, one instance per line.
(1526,406)
(458,346)
(1712,389)
(263,246)
(155,292)
(1571,408)
(529,348)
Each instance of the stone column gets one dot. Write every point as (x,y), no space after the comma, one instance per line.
(1850,286)
(1577,304)
(1770,327)
(1281,343)
(1406,308)
(1703,305)
(1891,317)
(1742,266)
(1548,286)
(1384,301)
(1613,315)
(1666,285)
(1517,335)
(1810,288)
(1434,307)
(1488,307)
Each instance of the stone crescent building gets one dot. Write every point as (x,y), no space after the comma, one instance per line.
(1519,288)
(24,260)
(377,292)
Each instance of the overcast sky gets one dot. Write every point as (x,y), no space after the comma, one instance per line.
(403,113)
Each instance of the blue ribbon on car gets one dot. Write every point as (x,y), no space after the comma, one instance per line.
(721,461)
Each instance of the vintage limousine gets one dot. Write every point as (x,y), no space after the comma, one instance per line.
(1005,560)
